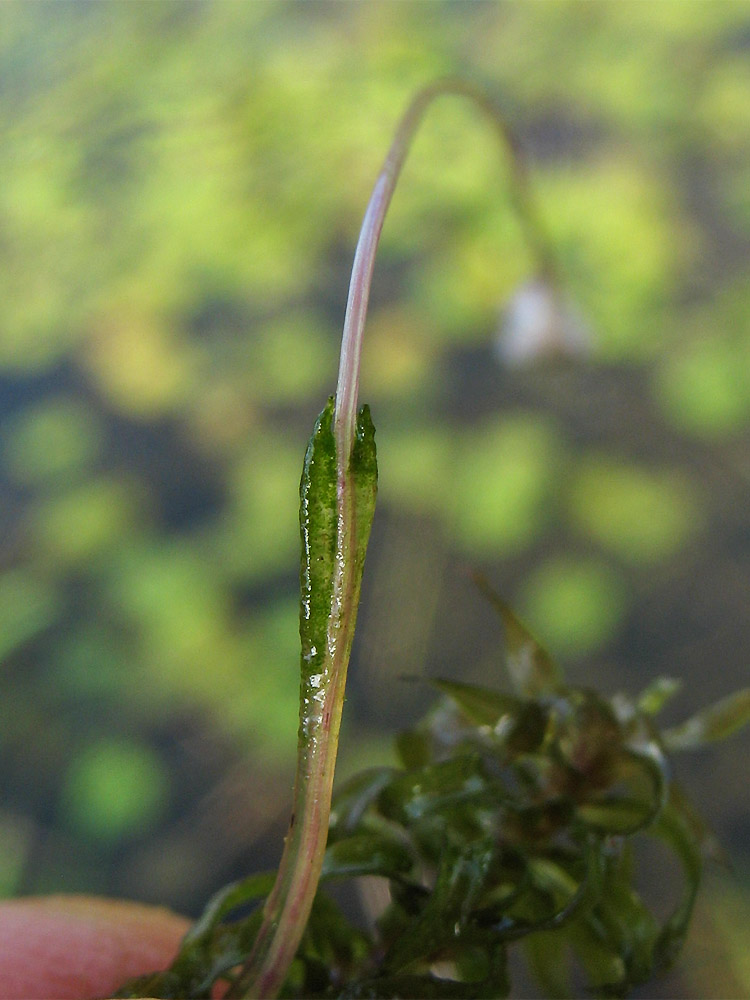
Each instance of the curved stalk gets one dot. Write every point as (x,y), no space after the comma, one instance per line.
(372,225)
(341,460)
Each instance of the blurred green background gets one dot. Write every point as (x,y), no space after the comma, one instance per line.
(181,186)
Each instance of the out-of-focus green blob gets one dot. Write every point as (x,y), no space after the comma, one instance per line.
(89,666)
(460,284)
(416,462)
(50,442)
(499,499)
(178,609)
(258,533)
(27,605)
(298,335)
(642,515)
(114,788)
(399,357)
(705,388)
(193,650)
(610,217)
(724,108)
(576,605)
(262,710)
(138,363)
(84,522)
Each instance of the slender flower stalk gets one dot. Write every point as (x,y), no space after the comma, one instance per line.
(288,906)
(372,225)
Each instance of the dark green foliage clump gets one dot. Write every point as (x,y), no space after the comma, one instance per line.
(512,820)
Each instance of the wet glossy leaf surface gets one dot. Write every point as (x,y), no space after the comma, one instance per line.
(317,517)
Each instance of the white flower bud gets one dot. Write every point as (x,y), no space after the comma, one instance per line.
(539,323)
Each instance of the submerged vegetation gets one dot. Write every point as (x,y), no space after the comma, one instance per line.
(513,818)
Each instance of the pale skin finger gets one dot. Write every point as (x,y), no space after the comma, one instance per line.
(76,947)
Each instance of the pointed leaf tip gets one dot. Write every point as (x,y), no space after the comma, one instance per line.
(714,723)
(532,670)
(654,697)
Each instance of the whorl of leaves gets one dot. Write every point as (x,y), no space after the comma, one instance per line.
(511,821)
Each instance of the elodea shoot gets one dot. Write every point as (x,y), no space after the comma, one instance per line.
(512,819)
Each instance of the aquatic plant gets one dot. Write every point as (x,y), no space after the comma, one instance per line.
(513,817)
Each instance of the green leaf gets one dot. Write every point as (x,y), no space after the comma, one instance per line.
(460,881)
(225,901)
(714,723)
(677,828)
(414,748)
(591,947)
(625,926)
(482,706)
(547,956)
(336,510)
(367,854)
(433,789)
(633,800)
(209,948)
(318,516)
(318,532)
(531,668)
(354,797)
(331,947)
(552,893)
(515,724)
(654,697)
(363,466)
